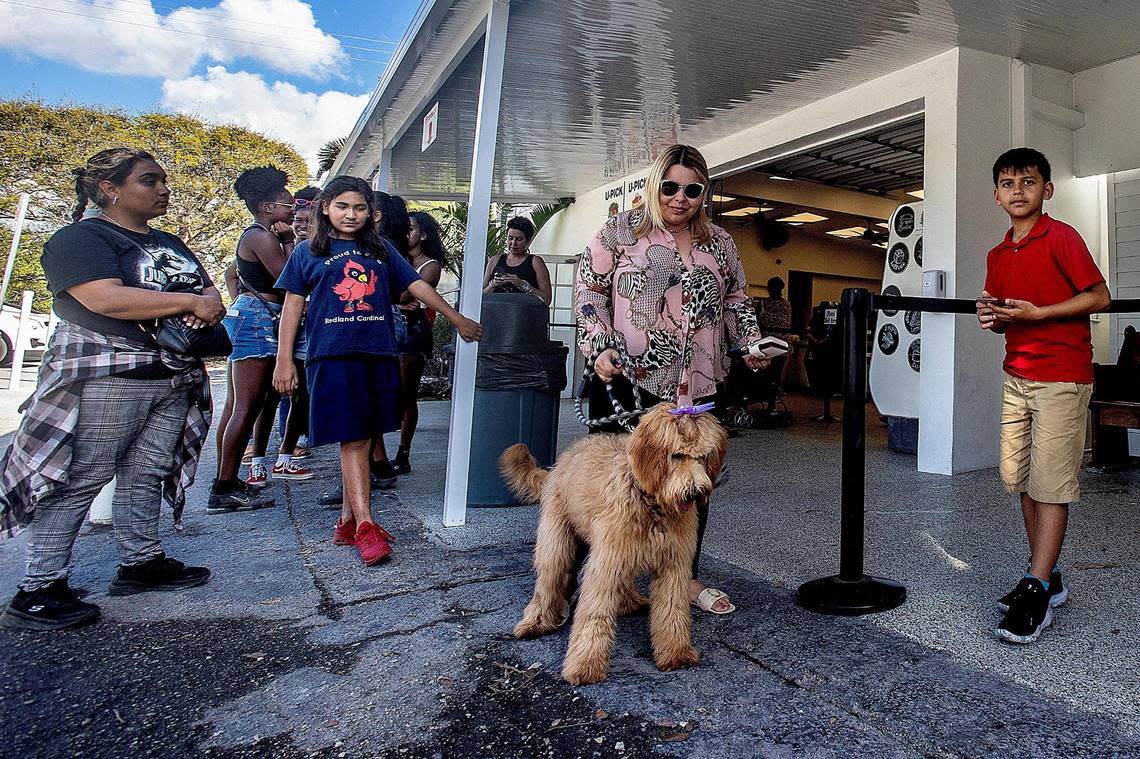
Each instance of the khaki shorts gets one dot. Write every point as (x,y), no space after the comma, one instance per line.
(1043,438)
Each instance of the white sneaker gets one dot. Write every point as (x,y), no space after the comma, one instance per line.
(258,475)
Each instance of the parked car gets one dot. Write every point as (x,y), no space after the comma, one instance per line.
(10,323)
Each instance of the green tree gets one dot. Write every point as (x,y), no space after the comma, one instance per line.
(41,144)
(328,154)
(453,224)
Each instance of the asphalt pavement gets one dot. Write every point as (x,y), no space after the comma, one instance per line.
(295,649)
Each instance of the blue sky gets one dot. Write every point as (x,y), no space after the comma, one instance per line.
(300,71)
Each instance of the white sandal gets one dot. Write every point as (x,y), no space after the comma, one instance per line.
(706,601)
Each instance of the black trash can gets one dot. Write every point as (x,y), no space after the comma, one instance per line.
(520,374)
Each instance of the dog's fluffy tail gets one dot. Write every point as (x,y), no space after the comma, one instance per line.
(521,473)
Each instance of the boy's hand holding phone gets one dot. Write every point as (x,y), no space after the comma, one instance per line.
(987,316)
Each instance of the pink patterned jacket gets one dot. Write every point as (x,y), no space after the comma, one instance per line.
(675,324)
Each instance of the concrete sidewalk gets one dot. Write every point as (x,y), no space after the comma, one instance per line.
(295,649)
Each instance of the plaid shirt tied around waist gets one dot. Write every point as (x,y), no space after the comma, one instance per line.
(39,456)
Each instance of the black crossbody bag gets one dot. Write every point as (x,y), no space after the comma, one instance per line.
(173,334)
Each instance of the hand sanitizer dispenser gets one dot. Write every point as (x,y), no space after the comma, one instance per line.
(934,284)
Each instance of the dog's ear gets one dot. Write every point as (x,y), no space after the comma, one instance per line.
(648,457)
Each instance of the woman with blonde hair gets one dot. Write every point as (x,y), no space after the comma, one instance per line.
(661,298)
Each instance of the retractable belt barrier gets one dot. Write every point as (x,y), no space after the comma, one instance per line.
(852,592)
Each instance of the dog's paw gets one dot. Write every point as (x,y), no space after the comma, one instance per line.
(529,628)
(667,661)
(584,673)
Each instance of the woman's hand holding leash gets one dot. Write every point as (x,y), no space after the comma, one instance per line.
(608,365)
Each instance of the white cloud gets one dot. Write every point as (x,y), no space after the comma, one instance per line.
(306,120)
(130,37)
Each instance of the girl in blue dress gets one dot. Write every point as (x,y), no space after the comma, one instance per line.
(351,276)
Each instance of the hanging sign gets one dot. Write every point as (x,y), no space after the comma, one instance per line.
(431,128)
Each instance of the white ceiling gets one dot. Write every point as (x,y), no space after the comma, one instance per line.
(593,87)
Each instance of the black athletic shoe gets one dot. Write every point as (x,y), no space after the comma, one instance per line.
(243,498)
(1058,594)
(53,607)
(160,573)
(334,497)
(402,464)
(1028,614)
(383,470)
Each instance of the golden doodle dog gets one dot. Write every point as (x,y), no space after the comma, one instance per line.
(631,498)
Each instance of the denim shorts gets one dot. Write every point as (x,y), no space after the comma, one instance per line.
(250,328)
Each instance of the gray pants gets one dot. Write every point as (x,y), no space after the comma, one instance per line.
(127,429)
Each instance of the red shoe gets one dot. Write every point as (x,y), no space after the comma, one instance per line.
(372,543)
(345,533)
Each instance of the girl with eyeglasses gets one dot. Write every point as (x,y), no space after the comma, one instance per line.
(262,251)
(662,287)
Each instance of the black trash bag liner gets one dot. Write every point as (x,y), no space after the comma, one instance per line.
(530,368)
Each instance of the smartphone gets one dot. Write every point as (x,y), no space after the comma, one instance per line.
(991,301)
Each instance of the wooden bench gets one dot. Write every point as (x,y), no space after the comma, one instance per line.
(1115,405)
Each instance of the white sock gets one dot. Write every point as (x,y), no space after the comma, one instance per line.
(283,459)
(257,460)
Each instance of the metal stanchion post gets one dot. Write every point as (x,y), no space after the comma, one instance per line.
(851,592)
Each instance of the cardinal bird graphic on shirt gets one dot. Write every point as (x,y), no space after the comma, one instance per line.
(355,287)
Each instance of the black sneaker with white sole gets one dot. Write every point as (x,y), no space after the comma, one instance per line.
(1028,614)
(335,497)
(161,573)
(242,498)
(1058,594)
(54,607)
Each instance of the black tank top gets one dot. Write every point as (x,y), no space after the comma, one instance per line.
(252,274)
(524,271)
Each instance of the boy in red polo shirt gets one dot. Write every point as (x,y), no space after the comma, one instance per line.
(1041,285)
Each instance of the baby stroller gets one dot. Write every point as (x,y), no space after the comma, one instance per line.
(755,399)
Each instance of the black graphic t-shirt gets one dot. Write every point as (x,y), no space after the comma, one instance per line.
(95,249)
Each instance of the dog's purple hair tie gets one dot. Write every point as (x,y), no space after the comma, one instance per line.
(692,410)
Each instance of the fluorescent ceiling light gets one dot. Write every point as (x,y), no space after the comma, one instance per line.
(795,223)
(723,198)
(804,218)
(882,245)
(848,233)
(882,224)
(917,193)
(746,211)
(780,179)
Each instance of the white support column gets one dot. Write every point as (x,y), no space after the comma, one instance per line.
(20,347)
(383,178)
(968,125)
(474,255)
(21,214)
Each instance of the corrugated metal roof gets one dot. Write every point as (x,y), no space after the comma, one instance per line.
(879,162)
(592,87)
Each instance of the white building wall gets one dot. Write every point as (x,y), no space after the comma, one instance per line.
(1110,99)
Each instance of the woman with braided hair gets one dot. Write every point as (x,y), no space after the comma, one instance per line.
(109,402)
(251,321)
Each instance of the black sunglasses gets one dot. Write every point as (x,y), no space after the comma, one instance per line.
(693,190)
